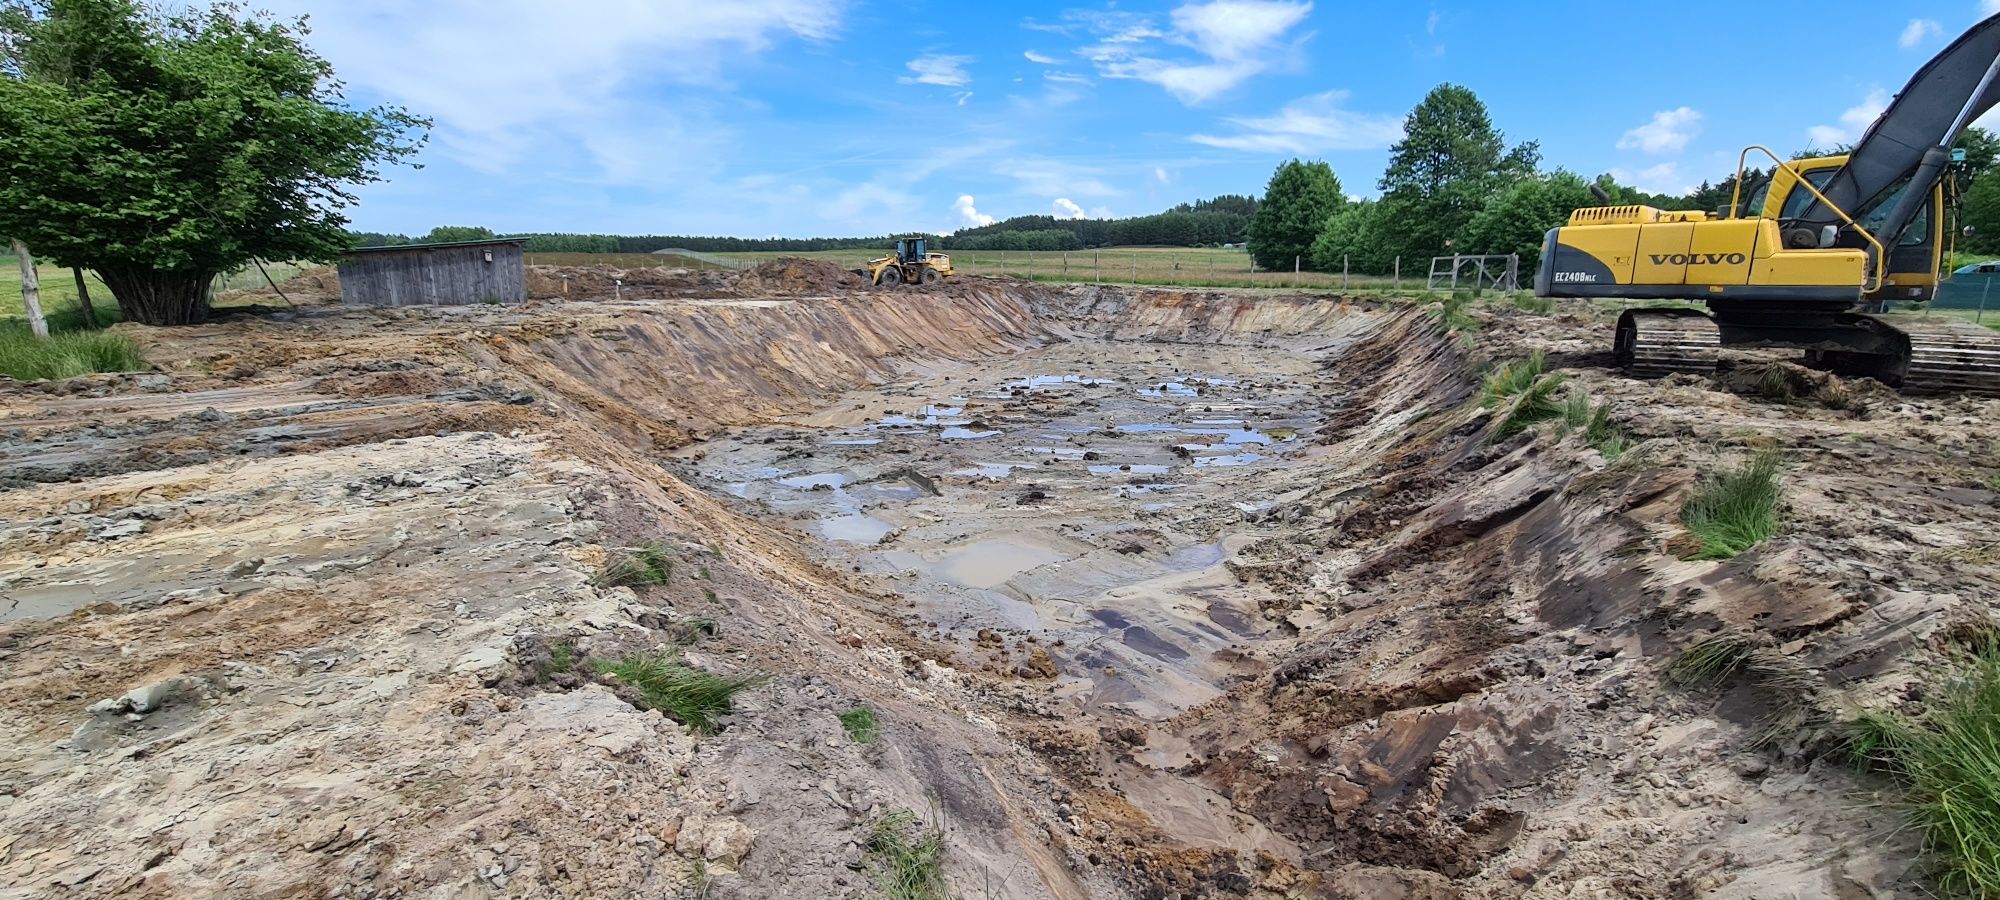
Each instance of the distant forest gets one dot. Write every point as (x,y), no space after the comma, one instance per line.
(1204,223)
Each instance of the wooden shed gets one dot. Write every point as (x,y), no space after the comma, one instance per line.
(452,274)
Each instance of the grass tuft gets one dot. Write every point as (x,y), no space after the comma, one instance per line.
(909,858)
(645,566)
(1535,405)
(1734,510)
(1790,690)
(860,725)
(1949,757)
(1709,662)
(1453,316)
(562,658)
(1529,303)
(687,695)
(1594,422)
(1511,378)
(66,354)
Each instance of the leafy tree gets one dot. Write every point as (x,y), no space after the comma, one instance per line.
(375,239)
(445,234)
(1353,233)
(1296,205)
(1450,161)
(1517,220)
(161,148)
(1982,150)
(1981,210)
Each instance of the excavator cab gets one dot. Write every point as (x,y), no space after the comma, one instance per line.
(1915,259)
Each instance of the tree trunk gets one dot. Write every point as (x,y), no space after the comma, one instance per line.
(152,297)
(83,299)
(31,291)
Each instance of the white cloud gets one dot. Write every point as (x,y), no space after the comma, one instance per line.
(1664,178)
(1853,121)
(1044,59)
(1431,23)
(1309,125)
(1065,78)
(1918,31)
(1160,175)
(1067,209)
(596,87)
(1989,7)
(1668,132)
(938,69)
(1235,40)
(1052,178)
(968,217)
(962,97)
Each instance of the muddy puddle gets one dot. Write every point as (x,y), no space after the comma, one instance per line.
(1046,517)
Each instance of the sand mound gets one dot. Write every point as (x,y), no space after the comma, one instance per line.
(793,274)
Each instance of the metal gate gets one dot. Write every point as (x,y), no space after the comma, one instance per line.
(1475,273)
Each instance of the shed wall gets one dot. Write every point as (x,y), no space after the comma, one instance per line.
(443,276)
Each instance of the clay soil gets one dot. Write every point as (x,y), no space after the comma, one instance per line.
(1152,594)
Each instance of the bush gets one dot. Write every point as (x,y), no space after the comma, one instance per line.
(1734,510)
(66,354)
(1950,758)
(687,695)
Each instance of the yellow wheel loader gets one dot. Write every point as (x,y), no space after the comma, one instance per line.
(912,263)
(1810,256)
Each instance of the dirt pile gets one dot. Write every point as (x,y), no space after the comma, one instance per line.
(579,283)
(797,275)
(1150,594)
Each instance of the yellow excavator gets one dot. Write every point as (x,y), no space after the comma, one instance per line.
(1811,256)
(912,263)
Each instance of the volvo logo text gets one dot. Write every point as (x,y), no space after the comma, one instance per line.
(1699,259)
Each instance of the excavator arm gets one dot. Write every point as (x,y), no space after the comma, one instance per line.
(1910,143)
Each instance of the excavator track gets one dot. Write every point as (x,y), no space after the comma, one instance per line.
(1948,356)
(1656,342)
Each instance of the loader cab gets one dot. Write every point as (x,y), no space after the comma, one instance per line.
(1915,259)
(912,250)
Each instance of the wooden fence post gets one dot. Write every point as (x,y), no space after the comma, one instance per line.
(1097,259)
(1343,271)
(1135,268)
(31,291)
(1295,271)
(1065,265)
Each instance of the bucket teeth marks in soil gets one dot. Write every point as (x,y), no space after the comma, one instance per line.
(1145,593)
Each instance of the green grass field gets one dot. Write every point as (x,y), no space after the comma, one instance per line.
(58,294)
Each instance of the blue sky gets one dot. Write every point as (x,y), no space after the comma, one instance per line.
(846,117)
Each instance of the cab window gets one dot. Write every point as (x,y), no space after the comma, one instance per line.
(1795,204)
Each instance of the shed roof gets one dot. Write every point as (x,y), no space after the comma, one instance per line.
(439,245)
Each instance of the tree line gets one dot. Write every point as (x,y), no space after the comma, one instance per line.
(1204,223)
(1453,186)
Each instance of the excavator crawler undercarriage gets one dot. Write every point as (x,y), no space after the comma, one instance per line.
(1917,354)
